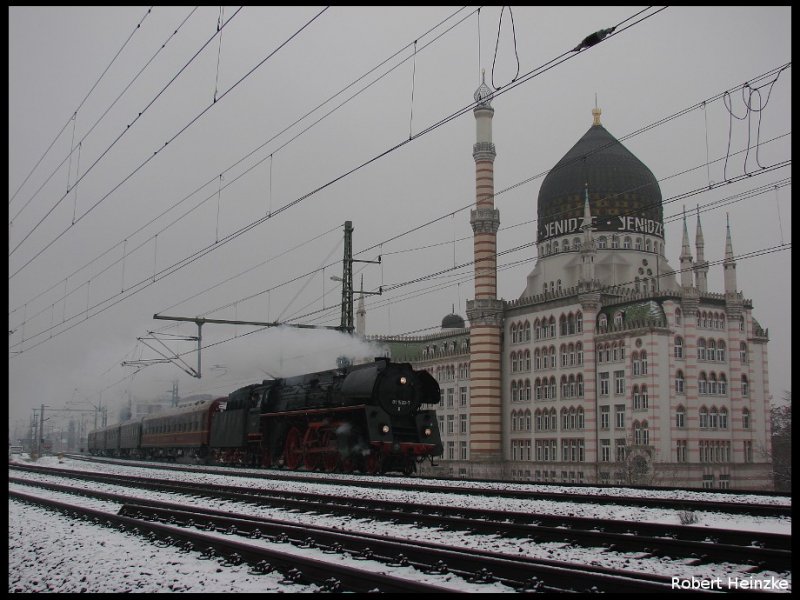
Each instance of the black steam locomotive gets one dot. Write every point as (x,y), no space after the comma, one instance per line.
(366,418)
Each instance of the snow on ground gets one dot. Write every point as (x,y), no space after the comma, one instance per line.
(44,548)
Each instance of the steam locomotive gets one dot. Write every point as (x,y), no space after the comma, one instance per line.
(366,418)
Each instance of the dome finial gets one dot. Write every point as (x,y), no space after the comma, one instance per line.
(596,112)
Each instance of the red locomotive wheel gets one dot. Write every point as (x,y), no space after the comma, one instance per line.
(293,450)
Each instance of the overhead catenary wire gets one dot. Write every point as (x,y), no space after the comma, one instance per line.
(97,122)
(210,248)
(310,112)
(89,93)
(103,154)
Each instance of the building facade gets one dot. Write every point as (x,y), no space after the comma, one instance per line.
(611,366)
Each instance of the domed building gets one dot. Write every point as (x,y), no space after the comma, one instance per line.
(611,366)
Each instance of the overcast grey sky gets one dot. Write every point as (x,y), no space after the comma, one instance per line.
(179,153)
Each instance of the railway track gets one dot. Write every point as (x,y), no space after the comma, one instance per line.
(767,508)
(188,528)
(699,545)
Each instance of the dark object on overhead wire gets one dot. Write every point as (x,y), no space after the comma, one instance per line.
(591,40)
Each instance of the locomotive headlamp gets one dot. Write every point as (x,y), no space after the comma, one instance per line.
(403,381)
(427,431)
(385,429)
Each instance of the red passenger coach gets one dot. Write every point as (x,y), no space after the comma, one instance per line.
(180,432)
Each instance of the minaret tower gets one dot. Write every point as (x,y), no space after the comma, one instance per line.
(701,266)
(686,257)
(485,312)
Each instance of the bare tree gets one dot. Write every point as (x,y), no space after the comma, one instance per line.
(781,419)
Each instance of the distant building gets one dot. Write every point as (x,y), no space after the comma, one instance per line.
(611,366)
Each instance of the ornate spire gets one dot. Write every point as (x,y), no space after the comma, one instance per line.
(700,266)
(483,95)
(686,256)
(729,264)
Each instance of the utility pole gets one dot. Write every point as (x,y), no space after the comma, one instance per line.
(41,431)
(347,279)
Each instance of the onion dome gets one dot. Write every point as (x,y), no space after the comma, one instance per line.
(483,95)
(624,195)
(453,321)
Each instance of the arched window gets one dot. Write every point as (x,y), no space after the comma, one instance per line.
(721,351)
(564,387)
(712,349)
(527,331)
(645,434)
(579,424)
(745,418)
(527,365)
(553,356)
(723,384)
(527,389)
(527,420)
(713,417)
(579,322)
(553,419)
(602,322)
(723,418)
(701,349)
(576,243)
(555,246)
(679,381)
(571,353)
(562,325)
(601,242)
(627,242)
(618,319)
(579,353)
(552,326)
(712,384)
(537,420)
(702,383)
(513,420)
(537,360)
(570,324)
(680,416)
(678,316)
(536,331)
(743,352)
(565,245)
(637,433)
(703,417)
(636,367)
(572,389)
(514,362)
(643,356)
(579,382)
(636,398)
(572,418)
(678,346)
(615,241)
(638,243)
(564,419)
(647,245)
(644,397)
(558,285)
(514,392)
(745,386)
